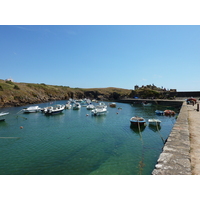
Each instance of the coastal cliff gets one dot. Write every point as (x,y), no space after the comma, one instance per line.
(18,94)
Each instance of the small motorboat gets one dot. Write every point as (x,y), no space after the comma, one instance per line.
(54,109)
(100,109)
(155,122)
(1,116)
(113,105)
(169,112)
(146,104)
(137,121)
(90,107)
(76,106)
(159,112)
(31,109)
(68,105)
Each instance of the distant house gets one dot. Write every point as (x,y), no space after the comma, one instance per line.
(9,79)
(136,87)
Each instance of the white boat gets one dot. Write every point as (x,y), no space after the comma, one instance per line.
(100,109)
(146,104)
(76,106)
(54,109)
(3,114)
(155,122)
(31,109)
(68,105)
(90,107)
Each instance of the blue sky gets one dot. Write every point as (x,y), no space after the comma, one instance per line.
(102,56)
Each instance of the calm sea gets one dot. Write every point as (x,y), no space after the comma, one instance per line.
(76,143)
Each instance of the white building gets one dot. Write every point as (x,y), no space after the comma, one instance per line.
(9,79)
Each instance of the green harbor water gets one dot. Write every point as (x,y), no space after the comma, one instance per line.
(77,143)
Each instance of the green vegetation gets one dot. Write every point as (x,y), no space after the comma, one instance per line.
(151,91)
(16,87)
(17,94)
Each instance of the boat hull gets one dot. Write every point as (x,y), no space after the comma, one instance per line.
(137,121)
(54,110)
(32,109)
(134,123)
(96,113)
(169,112)
(2,114)
(159,112)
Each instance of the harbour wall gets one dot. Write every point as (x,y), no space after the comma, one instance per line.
(176,103)
(175,158)
(185,94)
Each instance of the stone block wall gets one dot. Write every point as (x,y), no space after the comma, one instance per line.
(175,158)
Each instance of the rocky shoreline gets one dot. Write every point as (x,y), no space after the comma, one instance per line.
(19,94)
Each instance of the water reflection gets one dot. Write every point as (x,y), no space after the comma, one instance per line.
(137,129)
(99,118)
(154,128)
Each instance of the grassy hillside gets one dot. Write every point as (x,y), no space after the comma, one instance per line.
(17,94)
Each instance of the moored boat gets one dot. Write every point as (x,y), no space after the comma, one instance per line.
(146,104)
(76,106)
(68,105)
(31,109)
(137,121)
(169,112)
(155,122)
(100,109)
(113,105)
(90,107)
(54,109)
(2,114)
(159,112)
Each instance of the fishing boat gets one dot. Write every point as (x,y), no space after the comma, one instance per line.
(155,122)
(113,105)
(2,114)
(146,104)
(100,109)
(54,109)
(169,112)
(31,109)
(159,112)
(137,121)
(68,105)
(90,107)
(76,106)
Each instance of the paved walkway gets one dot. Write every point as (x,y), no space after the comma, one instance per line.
(194,130)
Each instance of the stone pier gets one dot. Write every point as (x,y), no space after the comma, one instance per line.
(175,158)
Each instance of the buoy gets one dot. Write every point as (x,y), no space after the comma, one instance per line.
(21,127)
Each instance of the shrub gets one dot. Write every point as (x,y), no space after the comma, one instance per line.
(16,87)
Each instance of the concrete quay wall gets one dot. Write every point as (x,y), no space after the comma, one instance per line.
(175,158)
(153,101)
